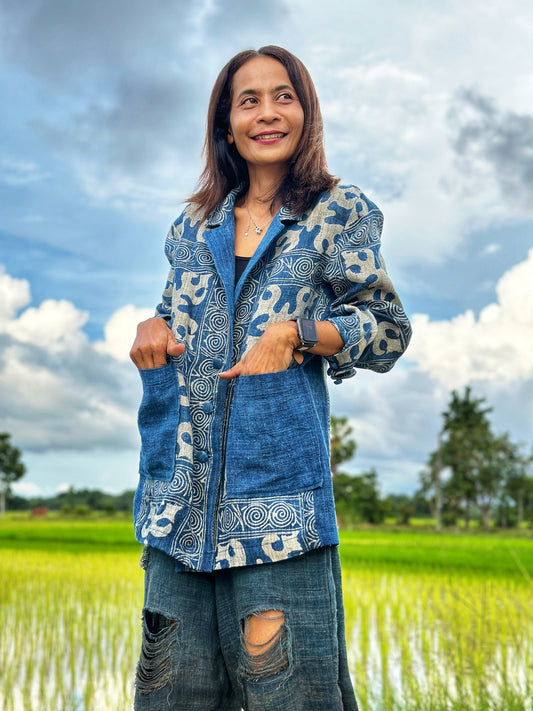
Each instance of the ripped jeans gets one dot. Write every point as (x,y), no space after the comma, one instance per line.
(260,638)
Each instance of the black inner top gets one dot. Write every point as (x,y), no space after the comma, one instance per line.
(240,266)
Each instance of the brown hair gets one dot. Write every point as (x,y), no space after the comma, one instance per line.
(224,170)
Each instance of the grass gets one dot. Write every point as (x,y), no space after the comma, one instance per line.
(431,641)
(510,553)
(67,534)
(434,622)
(473,554)
(69,628)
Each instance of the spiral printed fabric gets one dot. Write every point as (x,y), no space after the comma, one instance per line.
(236,472)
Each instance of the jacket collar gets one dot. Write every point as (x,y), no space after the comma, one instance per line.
(218,233)
(225,208)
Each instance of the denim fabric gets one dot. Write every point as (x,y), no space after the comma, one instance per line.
(269,414)
(251,480)
(158,422)
(193,655)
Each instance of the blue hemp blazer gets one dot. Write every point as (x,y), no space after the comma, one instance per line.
(237,472)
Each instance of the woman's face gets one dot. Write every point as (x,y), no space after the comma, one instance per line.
(266,117)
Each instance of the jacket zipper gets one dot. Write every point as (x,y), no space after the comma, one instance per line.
(225,421)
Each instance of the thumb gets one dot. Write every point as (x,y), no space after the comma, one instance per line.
(173,347)
(231,373)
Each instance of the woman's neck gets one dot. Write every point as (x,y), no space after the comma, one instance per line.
(264,183)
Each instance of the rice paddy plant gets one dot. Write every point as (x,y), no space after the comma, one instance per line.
(428,641)
(421,637)
(70,631)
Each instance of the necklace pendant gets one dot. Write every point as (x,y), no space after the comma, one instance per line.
(257,228)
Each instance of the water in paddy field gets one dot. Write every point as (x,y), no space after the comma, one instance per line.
(396,673)
(427,642)
(70,630)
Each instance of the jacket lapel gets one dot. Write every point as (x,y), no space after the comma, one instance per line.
(219,236)
(221,243)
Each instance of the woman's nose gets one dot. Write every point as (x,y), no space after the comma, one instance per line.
(268,111)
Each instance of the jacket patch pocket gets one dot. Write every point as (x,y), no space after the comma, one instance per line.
(275,443)
(158,421)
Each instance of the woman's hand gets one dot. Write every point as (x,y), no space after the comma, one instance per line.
(153,342)
(272,352)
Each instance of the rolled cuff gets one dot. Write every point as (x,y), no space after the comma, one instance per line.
(355,336)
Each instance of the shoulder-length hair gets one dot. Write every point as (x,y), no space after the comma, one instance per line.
(307,174)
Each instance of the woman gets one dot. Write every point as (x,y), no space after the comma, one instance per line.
(275,276)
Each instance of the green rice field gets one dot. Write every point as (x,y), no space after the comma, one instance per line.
(433,622)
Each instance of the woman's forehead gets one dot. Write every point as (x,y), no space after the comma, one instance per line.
(260,73)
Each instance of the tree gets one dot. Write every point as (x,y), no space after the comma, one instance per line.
(402,507)
(11,468)
(484,468)
(466,448)
(357,498)
(431,481)
(342,446)
(517,486)
(491,473)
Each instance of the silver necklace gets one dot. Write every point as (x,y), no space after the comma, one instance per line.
(258,229)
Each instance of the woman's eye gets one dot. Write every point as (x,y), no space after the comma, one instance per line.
(249,100)
(285,96)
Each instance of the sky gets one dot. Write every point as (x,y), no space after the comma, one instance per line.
(428,108)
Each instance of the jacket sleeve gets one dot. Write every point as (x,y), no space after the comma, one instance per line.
(164,308)
(366,309)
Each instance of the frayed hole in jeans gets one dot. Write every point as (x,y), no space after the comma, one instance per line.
(266,646)
(159,651)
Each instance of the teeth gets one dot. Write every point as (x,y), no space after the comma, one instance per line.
(268,137)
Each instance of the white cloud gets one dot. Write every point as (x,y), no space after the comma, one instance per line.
(54,325)
(478,43)
(120,331)
(395,419)
(387,100)
(491,249)
(17,172)
(397,129)
(383,128)
(28,489)
(59,391)
(496,347)
(14,295)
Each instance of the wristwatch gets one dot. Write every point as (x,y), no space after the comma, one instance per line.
(306,333)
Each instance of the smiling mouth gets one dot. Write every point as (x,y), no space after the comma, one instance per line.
(268,136)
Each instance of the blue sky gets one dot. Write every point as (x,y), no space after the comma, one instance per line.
(427,107)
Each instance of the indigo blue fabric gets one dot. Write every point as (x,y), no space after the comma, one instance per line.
(269,414)
(193,656)
(251,481)
(158,422)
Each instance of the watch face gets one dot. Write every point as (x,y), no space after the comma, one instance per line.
(308,330)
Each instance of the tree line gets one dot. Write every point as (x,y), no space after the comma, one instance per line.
(75,502)
(472,473)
